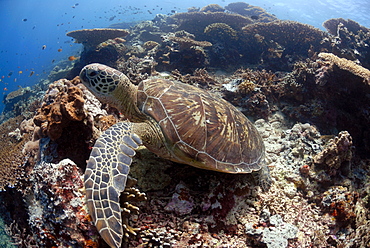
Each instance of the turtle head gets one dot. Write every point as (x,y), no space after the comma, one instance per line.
(101,80)
(111,86)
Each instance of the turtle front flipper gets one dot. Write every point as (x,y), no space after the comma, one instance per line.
(105,178)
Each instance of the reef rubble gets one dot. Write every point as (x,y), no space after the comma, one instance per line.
(308,96)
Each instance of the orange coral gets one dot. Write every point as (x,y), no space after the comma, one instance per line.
(67,107)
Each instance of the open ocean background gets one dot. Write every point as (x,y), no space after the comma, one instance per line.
(28,26)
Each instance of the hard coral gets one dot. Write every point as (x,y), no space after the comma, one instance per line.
(57,208)
(292,38)
(212,8)
(347,65)
(254,12)
(12,160)
(196,22)
(95,36)
(349,40)
(338,152)
(66,106)
(187,43)
(333,25)
(221,32)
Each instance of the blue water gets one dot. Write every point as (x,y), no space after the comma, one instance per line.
(28,26)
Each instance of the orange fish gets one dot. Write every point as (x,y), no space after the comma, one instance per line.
(71,58)
(5,89)
(20,72)
(60,49)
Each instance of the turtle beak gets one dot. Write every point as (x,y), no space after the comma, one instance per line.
(83,77)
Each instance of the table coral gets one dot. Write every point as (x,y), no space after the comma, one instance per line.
(196,22)
(95,36)
(293,38)
(254,12)
(347,65)
(212,8)
(332,26)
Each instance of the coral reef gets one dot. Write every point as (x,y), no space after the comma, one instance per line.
(196,22)
(333,25)
(349,40)
(95,36)
(301,81)
(56,206)
(254,12)
(282,40)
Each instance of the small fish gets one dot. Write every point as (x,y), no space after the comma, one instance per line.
(43,47)
(10,73)
(150,12)
(15,80)
(53,61)
(3,77)
(71,58)
(20,72)
(32,72)
(25,19)
(5,89)
(60,49)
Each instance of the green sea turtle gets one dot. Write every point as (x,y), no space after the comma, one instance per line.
(176,121)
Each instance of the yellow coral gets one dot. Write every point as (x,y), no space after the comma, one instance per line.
(11,157)
(347,65)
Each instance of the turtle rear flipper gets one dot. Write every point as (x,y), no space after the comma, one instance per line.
(105,178)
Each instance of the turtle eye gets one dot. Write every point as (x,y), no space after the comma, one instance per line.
(93,74)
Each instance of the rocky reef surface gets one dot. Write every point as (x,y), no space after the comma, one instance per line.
(306,90)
